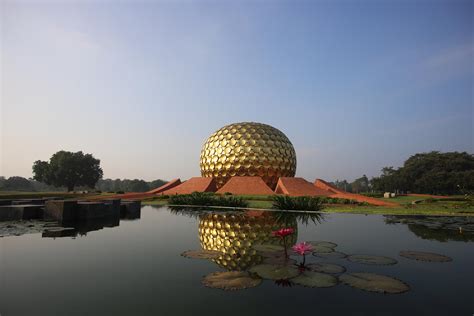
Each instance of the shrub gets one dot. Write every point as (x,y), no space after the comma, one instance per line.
(303,203)
(206,199)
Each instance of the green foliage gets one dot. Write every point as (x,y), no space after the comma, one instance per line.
(432,173)
(17,184)
(127,185)
(68,169)
(207,199)
(303,203)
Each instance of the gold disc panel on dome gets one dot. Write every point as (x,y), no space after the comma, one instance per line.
(235,234)
(248,149)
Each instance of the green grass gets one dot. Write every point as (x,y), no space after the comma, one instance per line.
(403,199)
(10,195)
(260,204)
(417,210)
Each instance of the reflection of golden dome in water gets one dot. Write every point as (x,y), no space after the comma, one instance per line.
(235,234)
(248,149)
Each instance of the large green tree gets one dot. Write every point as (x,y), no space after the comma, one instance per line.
(433,172)
(68,169)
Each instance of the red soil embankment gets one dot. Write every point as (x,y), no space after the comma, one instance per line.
(338,193)
(196,184)
(299,187)
(171,184)
(246,186)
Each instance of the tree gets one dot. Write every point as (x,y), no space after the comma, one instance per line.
(360,185)
(433,173)
(68,169)
(17,183)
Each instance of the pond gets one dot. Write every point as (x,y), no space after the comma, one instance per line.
(136,267)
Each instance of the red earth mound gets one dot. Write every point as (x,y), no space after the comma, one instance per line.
(246,185)
(299,187)
(196,184)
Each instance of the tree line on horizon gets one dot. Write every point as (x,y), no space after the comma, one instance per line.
(429,173)
(17,183)
(432,173)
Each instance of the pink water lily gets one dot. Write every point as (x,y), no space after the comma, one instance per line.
(302,248)
(283,234)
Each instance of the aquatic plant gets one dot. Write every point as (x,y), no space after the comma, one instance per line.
(302,249)
(283,234)
(207,199)
(374,282)
(425,256)
(372,260)
(231,280)
(275,272)
(315,279)
(301,203)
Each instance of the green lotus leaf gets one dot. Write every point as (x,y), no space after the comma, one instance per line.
(372,260)
(201,254)
(330,255)
(322,249)
(374,282)
(279,261)
(273,254)
(326,244)
(326,268)
(267,247)
(274,272)
(315,279)
(230,280)
(425,256)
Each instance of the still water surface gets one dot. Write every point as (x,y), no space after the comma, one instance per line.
(136,268)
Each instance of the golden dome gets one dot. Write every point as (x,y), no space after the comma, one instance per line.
(248,149)
(235,234)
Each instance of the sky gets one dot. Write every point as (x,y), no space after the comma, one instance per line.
(355,85)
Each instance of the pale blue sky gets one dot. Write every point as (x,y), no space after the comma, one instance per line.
(355,85)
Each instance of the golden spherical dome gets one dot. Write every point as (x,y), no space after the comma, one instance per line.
(235,234)
(248,149)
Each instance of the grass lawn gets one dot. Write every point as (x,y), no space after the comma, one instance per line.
(439,207)
(10,195)
(403,199)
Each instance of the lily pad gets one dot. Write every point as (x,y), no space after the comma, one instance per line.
(267,247)
(374,282)
(201,254)
(315,279)
(326,268)
(372,260)
(326,244)
(281,261)
(425,256)
(322,249)
(230,280)
(274,272)
(330,255)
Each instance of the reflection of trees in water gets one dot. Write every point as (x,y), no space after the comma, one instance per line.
(438,228)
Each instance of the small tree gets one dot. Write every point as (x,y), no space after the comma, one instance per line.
(68,169)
